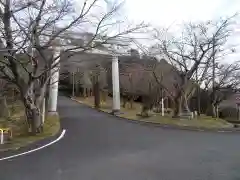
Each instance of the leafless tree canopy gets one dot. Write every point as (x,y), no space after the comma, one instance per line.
(227,80)
(33,30)
(192,53)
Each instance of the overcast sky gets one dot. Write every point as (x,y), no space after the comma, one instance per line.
(166,12)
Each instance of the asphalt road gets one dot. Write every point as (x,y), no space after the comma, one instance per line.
(98,146)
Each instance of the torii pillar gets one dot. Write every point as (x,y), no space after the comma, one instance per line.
(54,81)
(115,84)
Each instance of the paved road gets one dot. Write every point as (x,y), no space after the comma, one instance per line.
(100,147)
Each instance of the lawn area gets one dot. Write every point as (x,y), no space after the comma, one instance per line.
(200,122)
(21,138)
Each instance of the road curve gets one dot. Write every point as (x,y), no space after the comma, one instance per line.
(98,146)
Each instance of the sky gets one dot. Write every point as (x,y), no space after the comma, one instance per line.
(166,12)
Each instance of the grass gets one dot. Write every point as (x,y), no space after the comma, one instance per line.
(18,125)
(201,122)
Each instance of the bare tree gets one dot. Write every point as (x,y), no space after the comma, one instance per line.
(191,51)
(33,29)
(227,80)
(131,74)
(4,112)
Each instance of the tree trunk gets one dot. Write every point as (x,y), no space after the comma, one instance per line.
(145,106)
(131,102)
(84,92)
(198,102)
(186,106)
(97,95)
(209,110)
(217,111)
(166,103)
(77,89)
(33,116)
(4,111)
(145,111)
(214,111)
(90,92)
(124,102)
(103,96)
(177,107)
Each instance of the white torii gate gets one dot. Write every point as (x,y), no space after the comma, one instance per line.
(54,81)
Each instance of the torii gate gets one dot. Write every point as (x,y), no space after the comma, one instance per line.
(54,81)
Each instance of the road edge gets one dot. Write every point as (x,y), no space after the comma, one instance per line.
(26,152)
(166,126)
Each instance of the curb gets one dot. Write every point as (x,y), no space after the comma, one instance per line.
(32,144)
(26,152)
(166,126)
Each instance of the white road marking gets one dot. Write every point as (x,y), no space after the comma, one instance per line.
(39,148)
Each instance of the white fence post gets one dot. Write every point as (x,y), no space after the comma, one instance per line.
(1,141)
(162,106)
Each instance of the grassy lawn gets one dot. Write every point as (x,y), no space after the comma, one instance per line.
(21,138)
(200,122)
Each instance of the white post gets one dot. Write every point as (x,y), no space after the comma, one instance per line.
(53,90)
(192,115)
(162,106)
(115,83)
(1,142)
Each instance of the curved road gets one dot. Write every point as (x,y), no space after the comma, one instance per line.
(98,146)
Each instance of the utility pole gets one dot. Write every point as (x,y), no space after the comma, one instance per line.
(213,78)
(73,84)
(198,95)
(162,94)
